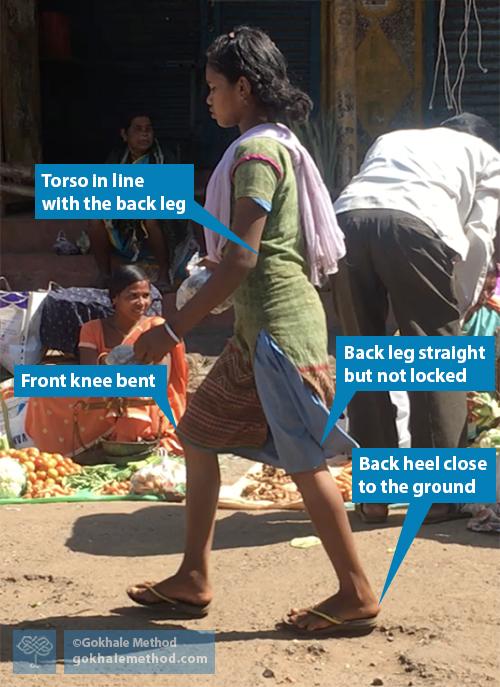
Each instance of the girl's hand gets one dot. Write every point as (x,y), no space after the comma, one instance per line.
(153,345)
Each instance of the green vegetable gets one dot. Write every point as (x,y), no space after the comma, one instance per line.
(95,477)
(488,439)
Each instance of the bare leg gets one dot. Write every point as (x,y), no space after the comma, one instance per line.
(100,246)
(158,247)
(355,597)
(191,582)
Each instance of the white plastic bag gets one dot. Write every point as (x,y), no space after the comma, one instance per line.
(183,254)
(20,316)
(13,416)
(167,479)
(198,276)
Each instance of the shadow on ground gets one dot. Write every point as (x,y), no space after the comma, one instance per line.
(159,530)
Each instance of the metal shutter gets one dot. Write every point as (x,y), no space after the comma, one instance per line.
(135,55)
(294,25)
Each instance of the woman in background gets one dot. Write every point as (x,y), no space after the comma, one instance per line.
(135,239)
(67,426)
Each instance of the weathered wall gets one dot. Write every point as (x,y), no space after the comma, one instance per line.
(388,67)
(371,70)
(19,80)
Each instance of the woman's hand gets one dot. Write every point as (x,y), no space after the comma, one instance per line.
(153,345)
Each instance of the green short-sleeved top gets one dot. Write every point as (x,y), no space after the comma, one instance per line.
(277,295)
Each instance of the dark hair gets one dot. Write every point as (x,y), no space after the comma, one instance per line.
(248,51)
(127,119)
(124,276)
(472,124)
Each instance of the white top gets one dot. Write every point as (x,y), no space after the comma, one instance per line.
(448,179)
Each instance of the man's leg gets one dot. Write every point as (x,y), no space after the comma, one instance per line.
(417,269)
(361,304)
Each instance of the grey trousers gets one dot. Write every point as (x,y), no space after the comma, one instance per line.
(393,254)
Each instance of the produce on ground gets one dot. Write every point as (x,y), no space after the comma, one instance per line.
(31,473)
(95,477)
(490,438)
(273,484)
(344,481)
(483,411)
(167,479)
(46,473)
(116,488)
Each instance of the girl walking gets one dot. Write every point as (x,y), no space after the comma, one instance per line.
(267,397)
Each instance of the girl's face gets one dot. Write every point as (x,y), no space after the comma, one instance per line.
(227,102)
(133,302)
(139,136)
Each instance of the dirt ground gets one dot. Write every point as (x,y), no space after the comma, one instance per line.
(66,566)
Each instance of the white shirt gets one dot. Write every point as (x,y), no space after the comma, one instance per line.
(448,179)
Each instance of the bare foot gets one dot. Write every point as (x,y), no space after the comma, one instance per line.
(188,587)
(337,606)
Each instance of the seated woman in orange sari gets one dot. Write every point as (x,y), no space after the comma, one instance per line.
(69,425)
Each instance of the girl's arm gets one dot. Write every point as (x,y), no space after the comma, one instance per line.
(248,223)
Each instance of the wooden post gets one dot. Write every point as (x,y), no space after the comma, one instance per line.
(338,83)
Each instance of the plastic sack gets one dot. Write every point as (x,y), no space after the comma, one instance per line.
(20,317)
(13,417)
(198,276)
(167,479)
(183,253)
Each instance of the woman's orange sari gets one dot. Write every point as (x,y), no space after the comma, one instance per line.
(68,425)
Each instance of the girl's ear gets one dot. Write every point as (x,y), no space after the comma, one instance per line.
(244,88)
(123,134)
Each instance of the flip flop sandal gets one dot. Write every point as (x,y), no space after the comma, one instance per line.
(369,519)
(179,608)
(451,514)
(338,627)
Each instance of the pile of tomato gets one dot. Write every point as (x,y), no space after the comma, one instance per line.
(45,472)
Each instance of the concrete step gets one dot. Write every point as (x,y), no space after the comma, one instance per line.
(30,271)
(24,234)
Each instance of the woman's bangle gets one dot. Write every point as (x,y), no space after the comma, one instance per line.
(171,333)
